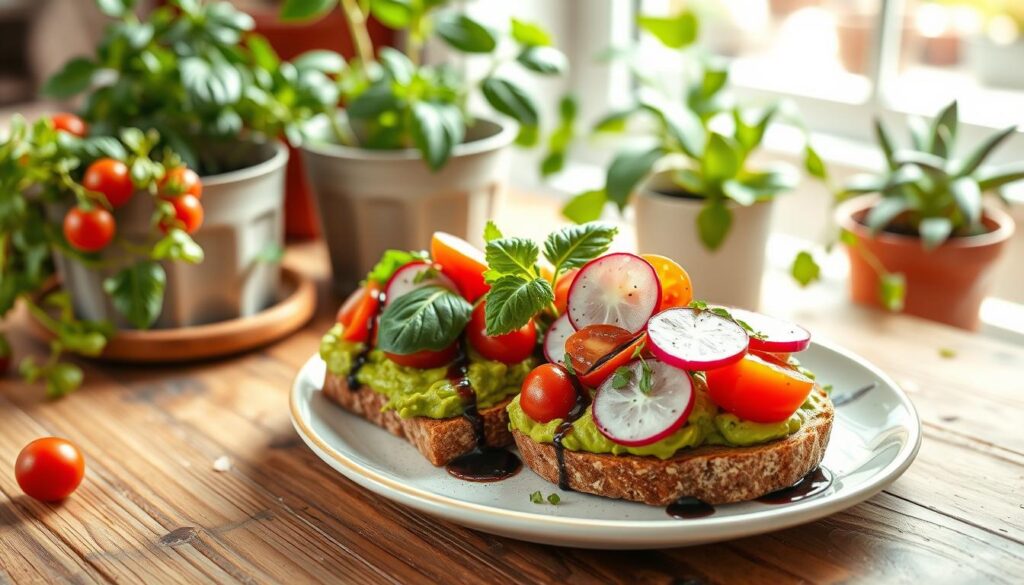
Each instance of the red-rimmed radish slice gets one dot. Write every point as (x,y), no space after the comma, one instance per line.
(617,289)
(629,416)
(696,340)
(410,277)
(779,336)
(554,340)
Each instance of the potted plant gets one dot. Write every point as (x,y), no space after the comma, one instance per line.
(220,104)
(405,158)
(119,208)
(924,219)
(697,195)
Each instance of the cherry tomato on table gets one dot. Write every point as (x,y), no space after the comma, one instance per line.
(462,262)
(188,213)
(676,289)
(425,359)
(758,390)
(181,181)
(548,393)
(70,123)
(89,230)
(110,178)
(49,469)
(509,348)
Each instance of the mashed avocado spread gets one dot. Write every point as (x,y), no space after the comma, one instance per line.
(706,426)
(414,392)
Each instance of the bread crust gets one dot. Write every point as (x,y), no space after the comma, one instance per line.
(439,440)
(713,474)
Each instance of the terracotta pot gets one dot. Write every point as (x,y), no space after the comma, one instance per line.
(946,284)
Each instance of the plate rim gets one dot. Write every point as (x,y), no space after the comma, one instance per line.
(781,516)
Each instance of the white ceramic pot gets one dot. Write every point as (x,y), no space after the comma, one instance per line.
(730,275)
(994,64)
(243,215)
(374,200)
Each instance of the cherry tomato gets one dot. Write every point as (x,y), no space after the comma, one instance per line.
(49,469)
(89,230)
(758,390)
(348,308)
(606,366)
(562,289)
(425,359)
(358,329)
(462,262)
(188,213)
(548,393)
(181,181)
(70,123)
(510,348)
(110,178)
(676,289)
(593,342)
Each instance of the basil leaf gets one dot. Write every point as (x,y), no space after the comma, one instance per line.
(512,256)
(391,261)
(137,292)
(428,318)
(575,245)
(513,301)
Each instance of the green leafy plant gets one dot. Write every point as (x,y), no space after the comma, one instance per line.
(703,160)
(41,180)
(393,100)
(194,72)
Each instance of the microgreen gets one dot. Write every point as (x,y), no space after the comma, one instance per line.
(567,362)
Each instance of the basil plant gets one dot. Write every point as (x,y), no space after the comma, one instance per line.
(394,100)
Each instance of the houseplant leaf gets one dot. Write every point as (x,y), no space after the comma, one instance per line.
(804,269)
(993,178)
(884,212)
(967,195)
(137,292)
(529,34)
(72,79)
(713,223)
(627,170)
(510,99)
(975,159)
(934,231)
(395,14)
(544,60)
(293,10)
(431,134)
(721,158)
(675,32)
(587,206)
(944,130)
(886,143)
(465,34)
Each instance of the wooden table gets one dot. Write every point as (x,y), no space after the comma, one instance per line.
(153,508)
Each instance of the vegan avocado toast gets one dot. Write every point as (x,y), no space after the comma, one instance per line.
(600,367)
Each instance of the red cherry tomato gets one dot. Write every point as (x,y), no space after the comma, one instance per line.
(758,390)
(89,230)
(358,329)
(510,348)
(607,364)
(188,213)
(349,306)
(548,393)
(49,469)
(562,289)
(593,342)
(181,181)
(461,262)
(110,178)
(70,123)
(425,359)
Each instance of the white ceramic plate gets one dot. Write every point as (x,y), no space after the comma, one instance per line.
(874,439)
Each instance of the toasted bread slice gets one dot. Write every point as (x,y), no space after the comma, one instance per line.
(440,440)
(713,474)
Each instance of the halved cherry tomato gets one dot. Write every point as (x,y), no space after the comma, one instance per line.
(89,230)
(49,469)
(70,123)
(676,289)
(425,359)
(188,213)
(510,348)
(593,342)
(181,181)
(110,178)
(758,390)
(358,329)
(348,308)
(607,364)
(562,289)
(461,262)
(548,393)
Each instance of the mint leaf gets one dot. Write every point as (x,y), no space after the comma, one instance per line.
(391,261)
(575,245)
(621,377)
(137,292)
(646,377)
(512,256)
(428,318)
(513,301)
(491,232)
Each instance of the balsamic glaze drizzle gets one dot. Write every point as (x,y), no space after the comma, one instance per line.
(687,508)
(578,409)
(364,355)
(810,485)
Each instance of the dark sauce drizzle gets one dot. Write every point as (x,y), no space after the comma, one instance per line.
(482,463)
(851,396)
(810,485)
(364,355)
(582,402)
(687,508)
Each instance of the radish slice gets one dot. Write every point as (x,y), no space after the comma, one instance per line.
(407,279)
(554,340)
(629,416)
(696,340)
(779,336)
(618,289)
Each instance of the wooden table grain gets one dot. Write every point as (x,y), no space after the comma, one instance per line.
(153,508)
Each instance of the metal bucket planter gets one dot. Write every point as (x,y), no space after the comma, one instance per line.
(243,215)
(373,200)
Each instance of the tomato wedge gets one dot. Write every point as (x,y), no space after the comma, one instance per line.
(676,288)
(358,329)
(461,262)
(606,366)
(425,359)
(596,351)
(758,390)
(348,308)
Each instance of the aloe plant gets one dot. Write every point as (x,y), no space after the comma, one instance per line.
(929,191)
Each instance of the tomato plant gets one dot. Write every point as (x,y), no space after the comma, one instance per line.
(110,178)
(188,214)
(89,230)
(49,469)
(510,348)
(181,181)
(70,123)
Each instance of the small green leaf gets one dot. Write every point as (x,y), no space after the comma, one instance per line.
(675,32)
(979,154)
(323,61)
(515,256)
(682,124)
(543,60)
(465,34)
(264,54)
(721,158)
(62,379)
(391,261)
(615,121)
(739,192)
(376,100)
(177,245)
(554,499)
(512,302)
(73,79)
(622,377)
(944,130)
(813,163)
(884,212)
(574,245)
(396,14)
(587,206)
(537,497)
(433,134)
(528,136)
(510,99)
(920,135)
(994,178)
(892,291)
(967,195)
(529,34)
(628,169)
(934,231)
(137,292)
(491,231)
(293,10)
(553,163)
(805,270)
(428,318)
(886,143)
(713,223)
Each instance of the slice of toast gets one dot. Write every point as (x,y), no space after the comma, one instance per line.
(439,440)
(712,474)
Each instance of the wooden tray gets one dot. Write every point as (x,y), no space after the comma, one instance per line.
(296,307)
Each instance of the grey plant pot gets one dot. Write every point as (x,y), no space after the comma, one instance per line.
(243,214)
(373,200)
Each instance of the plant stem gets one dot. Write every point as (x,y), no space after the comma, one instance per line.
(356,19)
